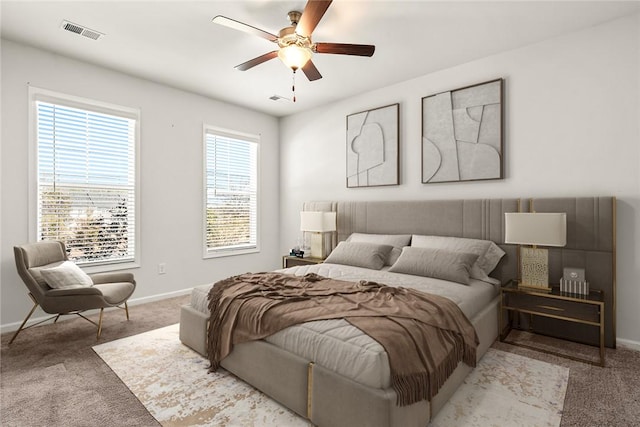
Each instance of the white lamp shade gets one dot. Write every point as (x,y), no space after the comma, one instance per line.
(318,222)
(540,228)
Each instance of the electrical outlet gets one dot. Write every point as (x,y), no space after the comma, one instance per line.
(162,268)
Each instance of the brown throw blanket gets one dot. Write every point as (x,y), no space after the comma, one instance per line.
(425,335)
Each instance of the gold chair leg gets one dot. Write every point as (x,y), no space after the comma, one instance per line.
(100,324)
(35,305)
(126,309)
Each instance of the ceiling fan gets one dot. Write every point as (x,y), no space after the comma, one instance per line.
(294,42)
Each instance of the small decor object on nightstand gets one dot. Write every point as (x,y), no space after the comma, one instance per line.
(545,229)
(296,253)
(573,281)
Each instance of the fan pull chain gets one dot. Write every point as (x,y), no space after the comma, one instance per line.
(293,86)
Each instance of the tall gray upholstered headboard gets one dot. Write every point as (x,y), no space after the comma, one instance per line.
(590,239)
(475,219)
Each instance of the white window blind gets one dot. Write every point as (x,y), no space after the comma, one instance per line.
(86,181)
(231,207)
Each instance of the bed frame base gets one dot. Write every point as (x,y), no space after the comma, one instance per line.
(320,395)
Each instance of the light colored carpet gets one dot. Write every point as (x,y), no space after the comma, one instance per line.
(172,382)
(506,389)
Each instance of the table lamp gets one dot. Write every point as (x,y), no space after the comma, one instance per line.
(537,228)
(317,223)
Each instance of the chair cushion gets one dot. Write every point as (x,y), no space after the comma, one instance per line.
(116,293)
(65,276)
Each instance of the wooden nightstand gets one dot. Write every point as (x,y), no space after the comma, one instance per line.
(291,261)
(585,309)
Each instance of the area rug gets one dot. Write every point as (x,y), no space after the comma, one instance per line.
(172,382)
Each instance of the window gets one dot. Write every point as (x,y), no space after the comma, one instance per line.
(86,177)
(231,193)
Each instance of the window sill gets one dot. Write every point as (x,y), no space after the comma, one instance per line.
(104,268)
(230,252)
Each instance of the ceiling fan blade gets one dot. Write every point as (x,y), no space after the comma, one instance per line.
(312,14)
(256,61)
(346,49)
(310,70)
(237,25)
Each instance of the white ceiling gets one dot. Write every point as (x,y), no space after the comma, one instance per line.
(175,42)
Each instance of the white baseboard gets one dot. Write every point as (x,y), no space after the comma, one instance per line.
(144,300)
(633,345)
(11,327)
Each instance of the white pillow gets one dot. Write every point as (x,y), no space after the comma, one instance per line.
(398,241)
(488,252)
(66,276)
(359,254)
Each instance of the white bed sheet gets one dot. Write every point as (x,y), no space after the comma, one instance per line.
(343,348)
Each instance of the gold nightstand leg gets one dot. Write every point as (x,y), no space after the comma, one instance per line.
(602,336)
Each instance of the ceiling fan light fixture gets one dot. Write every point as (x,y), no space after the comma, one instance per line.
(295,47)
(294,56)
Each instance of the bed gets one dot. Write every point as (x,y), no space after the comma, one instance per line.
(328,372)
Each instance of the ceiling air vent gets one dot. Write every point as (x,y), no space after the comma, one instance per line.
(278,97)
(80,30)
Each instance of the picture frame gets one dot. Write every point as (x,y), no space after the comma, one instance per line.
(462,134)
(572,273)
(373,147)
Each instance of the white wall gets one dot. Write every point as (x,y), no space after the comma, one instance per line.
(571,113)
(171,172)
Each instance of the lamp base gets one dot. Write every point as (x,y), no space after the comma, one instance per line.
(535,267)
(317,245)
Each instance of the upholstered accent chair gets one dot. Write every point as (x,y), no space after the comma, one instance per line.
(102,290)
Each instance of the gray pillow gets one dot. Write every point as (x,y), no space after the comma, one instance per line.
(398,241)
(360,254)
(488,252)
(437,263)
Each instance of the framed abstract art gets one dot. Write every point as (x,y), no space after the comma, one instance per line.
(462,136)
(373,147)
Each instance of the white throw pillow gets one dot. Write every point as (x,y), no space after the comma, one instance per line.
(66,276)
